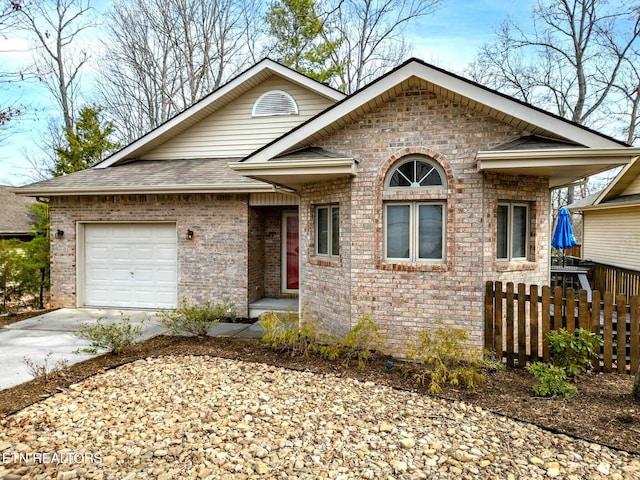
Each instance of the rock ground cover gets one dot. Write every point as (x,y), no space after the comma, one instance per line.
(602,413)
(191,416)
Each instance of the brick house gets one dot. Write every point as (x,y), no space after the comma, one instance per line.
(398,201)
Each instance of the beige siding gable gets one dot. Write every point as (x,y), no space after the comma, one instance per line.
(233,132)
(613,237)
(633,188)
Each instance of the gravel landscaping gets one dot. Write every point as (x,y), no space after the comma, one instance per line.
(208,417)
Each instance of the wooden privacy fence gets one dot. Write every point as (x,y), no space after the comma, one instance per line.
(607,278)
(517,321)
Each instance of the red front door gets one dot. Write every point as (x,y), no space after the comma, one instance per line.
(291,255)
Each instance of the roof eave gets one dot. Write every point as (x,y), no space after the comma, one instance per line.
(458,85)
(561,166)
(138,190)
(605,206)
(294,173)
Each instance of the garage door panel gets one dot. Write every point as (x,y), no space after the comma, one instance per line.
(164,276)
(164,254)
(131,265)
(143,256)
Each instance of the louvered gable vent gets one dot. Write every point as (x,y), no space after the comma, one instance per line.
(275,102)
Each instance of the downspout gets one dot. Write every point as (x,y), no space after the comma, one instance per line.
(484,229)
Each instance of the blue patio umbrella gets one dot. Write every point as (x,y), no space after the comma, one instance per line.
(563,237)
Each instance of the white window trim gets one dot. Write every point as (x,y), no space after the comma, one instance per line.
(414,240)
(435,166)
(510,257)
(330,208)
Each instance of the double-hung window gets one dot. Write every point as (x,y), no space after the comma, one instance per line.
(415,231)
(415,223)
(513,231)
(328,231)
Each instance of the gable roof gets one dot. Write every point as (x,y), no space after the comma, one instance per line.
(612,196)
(15,217)
(443,83)
(225,94)
(569,141)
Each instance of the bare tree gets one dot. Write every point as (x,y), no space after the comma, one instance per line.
(567,62)
(163,55)
(9,110)
(371,33)
(628,108)
(9,11)
(55,26)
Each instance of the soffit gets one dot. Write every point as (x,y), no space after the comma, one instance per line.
(562,165)
(622,181)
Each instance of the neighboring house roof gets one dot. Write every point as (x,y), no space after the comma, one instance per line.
(584,202)
(149,176)
(15,217)
(579,151)
(623,191)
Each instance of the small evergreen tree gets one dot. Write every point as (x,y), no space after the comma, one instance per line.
(34,268)
(9,261)
(301,41)
(86,144)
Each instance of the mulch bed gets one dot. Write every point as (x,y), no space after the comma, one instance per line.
(603,411)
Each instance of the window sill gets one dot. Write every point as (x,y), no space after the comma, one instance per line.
(413,267)
(325,261)
(516,266)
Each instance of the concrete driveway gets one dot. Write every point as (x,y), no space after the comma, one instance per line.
(52,334)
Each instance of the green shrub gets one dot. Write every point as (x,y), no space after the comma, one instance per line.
(358,344)
(491,362)
(445,358)
(287,333)
(552,380)
(573,352)
(113,338)
(44,369)
(197,319)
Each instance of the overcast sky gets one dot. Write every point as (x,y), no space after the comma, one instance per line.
(449,39)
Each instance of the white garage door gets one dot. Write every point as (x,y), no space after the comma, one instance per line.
(130,265)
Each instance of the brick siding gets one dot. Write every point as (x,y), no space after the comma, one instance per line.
(213,265)
(406,298)
(236,249)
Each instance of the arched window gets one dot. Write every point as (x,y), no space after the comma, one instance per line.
(416,173)
(415,229)
(274,102)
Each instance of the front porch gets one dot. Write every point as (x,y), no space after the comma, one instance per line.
(273,254)
(264,305)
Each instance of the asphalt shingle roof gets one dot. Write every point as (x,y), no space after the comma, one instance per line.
(147,175)
(15,217)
